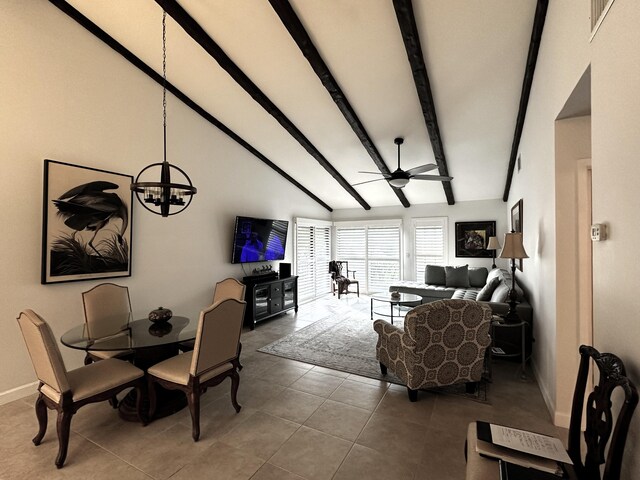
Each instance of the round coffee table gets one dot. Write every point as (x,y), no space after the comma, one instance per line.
(402,300)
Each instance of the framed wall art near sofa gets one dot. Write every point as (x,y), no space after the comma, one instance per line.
(86,226)
(472,238)
(516,224)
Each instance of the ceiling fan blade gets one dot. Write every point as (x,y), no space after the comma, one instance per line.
(422,168)
(368,181)
(386,175)
(432,177)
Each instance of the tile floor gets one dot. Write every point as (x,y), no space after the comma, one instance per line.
(298,422)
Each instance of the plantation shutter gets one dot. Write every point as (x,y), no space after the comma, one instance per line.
(372,250)
(430,244)
(312,255)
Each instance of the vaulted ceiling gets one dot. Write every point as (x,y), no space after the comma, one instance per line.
(320,88)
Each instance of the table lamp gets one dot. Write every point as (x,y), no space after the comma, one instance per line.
(494,245)
(513,249)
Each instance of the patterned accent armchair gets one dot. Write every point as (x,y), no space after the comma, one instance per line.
(442,343)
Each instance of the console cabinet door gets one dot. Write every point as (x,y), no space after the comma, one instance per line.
(288,286)
(275,302)
(261,301)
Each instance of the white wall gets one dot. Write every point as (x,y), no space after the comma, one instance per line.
(460,212)
(68,97)
(615,80)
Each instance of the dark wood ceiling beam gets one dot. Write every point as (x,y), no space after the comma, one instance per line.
(133,59)
(411,39)
(532,58)
(296,29)
(197,33)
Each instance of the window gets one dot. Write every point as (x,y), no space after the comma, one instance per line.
(312,255)
(372,250)
(430,243)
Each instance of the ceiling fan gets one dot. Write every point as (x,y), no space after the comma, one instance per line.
(400,178)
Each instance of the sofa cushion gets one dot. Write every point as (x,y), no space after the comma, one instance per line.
(465,294)
(478,276)
(457,276)
(487,291)
(501,293)
(434,275)
(429,292)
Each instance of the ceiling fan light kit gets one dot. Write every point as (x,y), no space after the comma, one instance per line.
(164,194)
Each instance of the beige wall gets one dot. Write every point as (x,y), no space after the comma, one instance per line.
(68,97)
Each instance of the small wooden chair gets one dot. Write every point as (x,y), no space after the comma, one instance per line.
(604,440)
(340,280)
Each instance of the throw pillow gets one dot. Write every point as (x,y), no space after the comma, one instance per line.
(485,294)
(434,275)
(478,276)
(457,276)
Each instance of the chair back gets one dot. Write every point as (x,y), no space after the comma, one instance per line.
(43,350)
(228,288)
(451,337)
(107,309)
(601,432)
(218,336)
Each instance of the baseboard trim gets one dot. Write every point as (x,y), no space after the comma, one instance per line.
(545,393)
(18,393)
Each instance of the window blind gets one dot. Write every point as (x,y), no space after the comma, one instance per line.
(430,244)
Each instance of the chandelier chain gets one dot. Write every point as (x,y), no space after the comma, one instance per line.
(164,81)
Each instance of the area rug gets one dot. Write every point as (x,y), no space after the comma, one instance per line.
(347,342)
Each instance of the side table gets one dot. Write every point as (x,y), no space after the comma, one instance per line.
(514,350)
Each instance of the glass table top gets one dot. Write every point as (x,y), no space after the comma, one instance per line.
(138,334)
(401,298)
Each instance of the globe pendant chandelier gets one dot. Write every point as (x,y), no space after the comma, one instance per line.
(163,196)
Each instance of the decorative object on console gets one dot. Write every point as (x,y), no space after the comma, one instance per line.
(493,244)
(164,194)
(399,178)
(472,238)
(516,223)
(514,250)
(86,232)
(160,315)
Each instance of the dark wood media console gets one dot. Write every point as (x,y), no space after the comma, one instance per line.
(268,297)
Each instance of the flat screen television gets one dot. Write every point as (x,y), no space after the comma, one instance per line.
(259,240)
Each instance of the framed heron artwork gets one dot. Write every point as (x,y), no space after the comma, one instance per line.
(87,219)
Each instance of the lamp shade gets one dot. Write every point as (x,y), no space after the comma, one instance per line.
(493,244)
(513,247)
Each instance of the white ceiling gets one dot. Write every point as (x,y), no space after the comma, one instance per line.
(475,52)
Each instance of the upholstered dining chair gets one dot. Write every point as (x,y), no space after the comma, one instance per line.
(67,391)
(442,343)
(227,288)
(213,358)
(107,311)
(607,422)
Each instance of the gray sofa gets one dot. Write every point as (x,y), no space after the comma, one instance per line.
(471,283)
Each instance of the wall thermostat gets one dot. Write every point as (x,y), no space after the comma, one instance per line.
(598,232)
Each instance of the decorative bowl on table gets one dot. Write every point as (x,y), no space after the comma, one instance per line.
(160,329)
(160,315)
(395,294)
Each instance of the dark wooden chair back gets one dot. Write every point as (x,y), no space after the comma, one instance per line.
(601,428)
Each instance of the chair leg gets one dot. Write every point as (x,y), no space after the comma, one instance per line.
(41,414)
(358,289)
(87,359)
(471,387)
(413,394)
(238,365)
(113,401)
(383,369)
(151,392)
(194,407)
(64,427)
(235,383)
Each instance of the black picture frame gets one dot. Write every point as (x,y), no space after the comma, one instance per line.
(516,224)
(87,223)
(472,238)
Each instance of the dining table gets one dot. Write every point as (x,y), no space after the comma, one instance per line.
(149,343)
